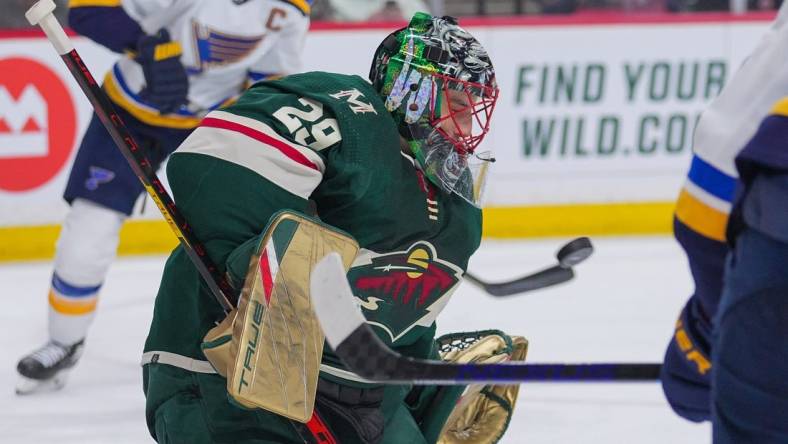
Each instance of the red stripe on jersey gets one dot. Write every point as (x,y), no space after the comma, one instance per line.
(265,275)
(284,148)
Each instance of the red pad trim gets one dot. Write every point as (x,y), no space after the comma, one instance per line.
(319,430)
(265,275)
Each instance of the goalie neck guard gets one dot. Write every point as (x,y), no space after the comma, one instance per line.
(439,84)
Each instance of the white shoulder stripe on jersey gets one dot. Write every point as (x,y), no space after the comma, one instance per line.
(249,153)
(267,130)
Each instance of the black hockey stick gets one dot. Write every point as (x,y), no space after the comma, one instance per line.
(365,354)
(314,431)
(41,14)
(568,256)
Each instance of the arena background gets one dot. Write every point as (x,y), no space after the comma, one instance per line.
(593,137)
(592,130)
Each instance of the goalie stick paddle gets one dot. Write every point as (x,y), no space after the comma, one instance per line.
(315,430)
(568,256)
(365,354)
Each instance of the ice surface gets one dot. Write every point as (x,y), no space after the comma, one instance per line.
(621,307)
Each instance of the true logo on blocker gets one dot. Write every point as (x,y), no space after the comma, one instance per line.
(37,124)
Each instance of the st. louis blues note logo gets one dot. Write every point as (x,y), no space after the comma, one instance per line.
(214,48)
(398,291)
(97,177)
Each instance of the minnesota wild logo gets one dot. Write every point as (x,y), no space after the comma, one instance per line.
(400,290)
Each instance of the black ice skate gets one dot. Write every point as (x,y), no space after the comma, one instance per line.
(47,368)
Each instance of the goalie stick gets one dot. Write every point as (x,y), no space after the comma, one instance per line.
(568,256)
(315,430)
(41,14)
(365,354)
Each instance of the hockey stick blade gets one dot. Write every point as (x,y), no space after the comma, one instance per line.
(542,279)
(571,254)
(366,355)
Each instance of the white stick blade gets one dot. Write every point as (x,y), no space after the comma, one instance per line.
(333,300)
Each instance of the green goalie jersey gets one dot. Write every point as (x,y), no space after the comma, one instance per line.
(326,138)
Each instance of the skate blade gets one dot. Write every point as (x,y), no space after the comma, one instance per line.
(28,386)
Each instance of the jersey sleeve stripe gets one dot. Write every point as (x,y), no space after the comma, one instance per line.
(264,160)
(700,217)
(113,85)
(707,198)
(711,179)
(255,76)
(781,107)
(261,132)
(93,3)
(305,6)
(285,149)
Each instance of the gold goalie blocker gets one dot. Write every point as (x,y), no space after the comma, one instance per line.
(269,347)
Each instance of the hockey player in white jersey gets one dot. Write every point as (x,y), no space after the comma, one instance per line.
(182,59)
(726,362)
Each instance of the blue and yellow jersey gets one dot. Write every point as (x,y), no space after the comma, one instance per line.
(741,125)
(725,127)
(225,46)
(705,200)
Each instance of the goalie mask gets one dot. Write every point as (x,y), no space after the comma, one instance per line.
(439,84)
